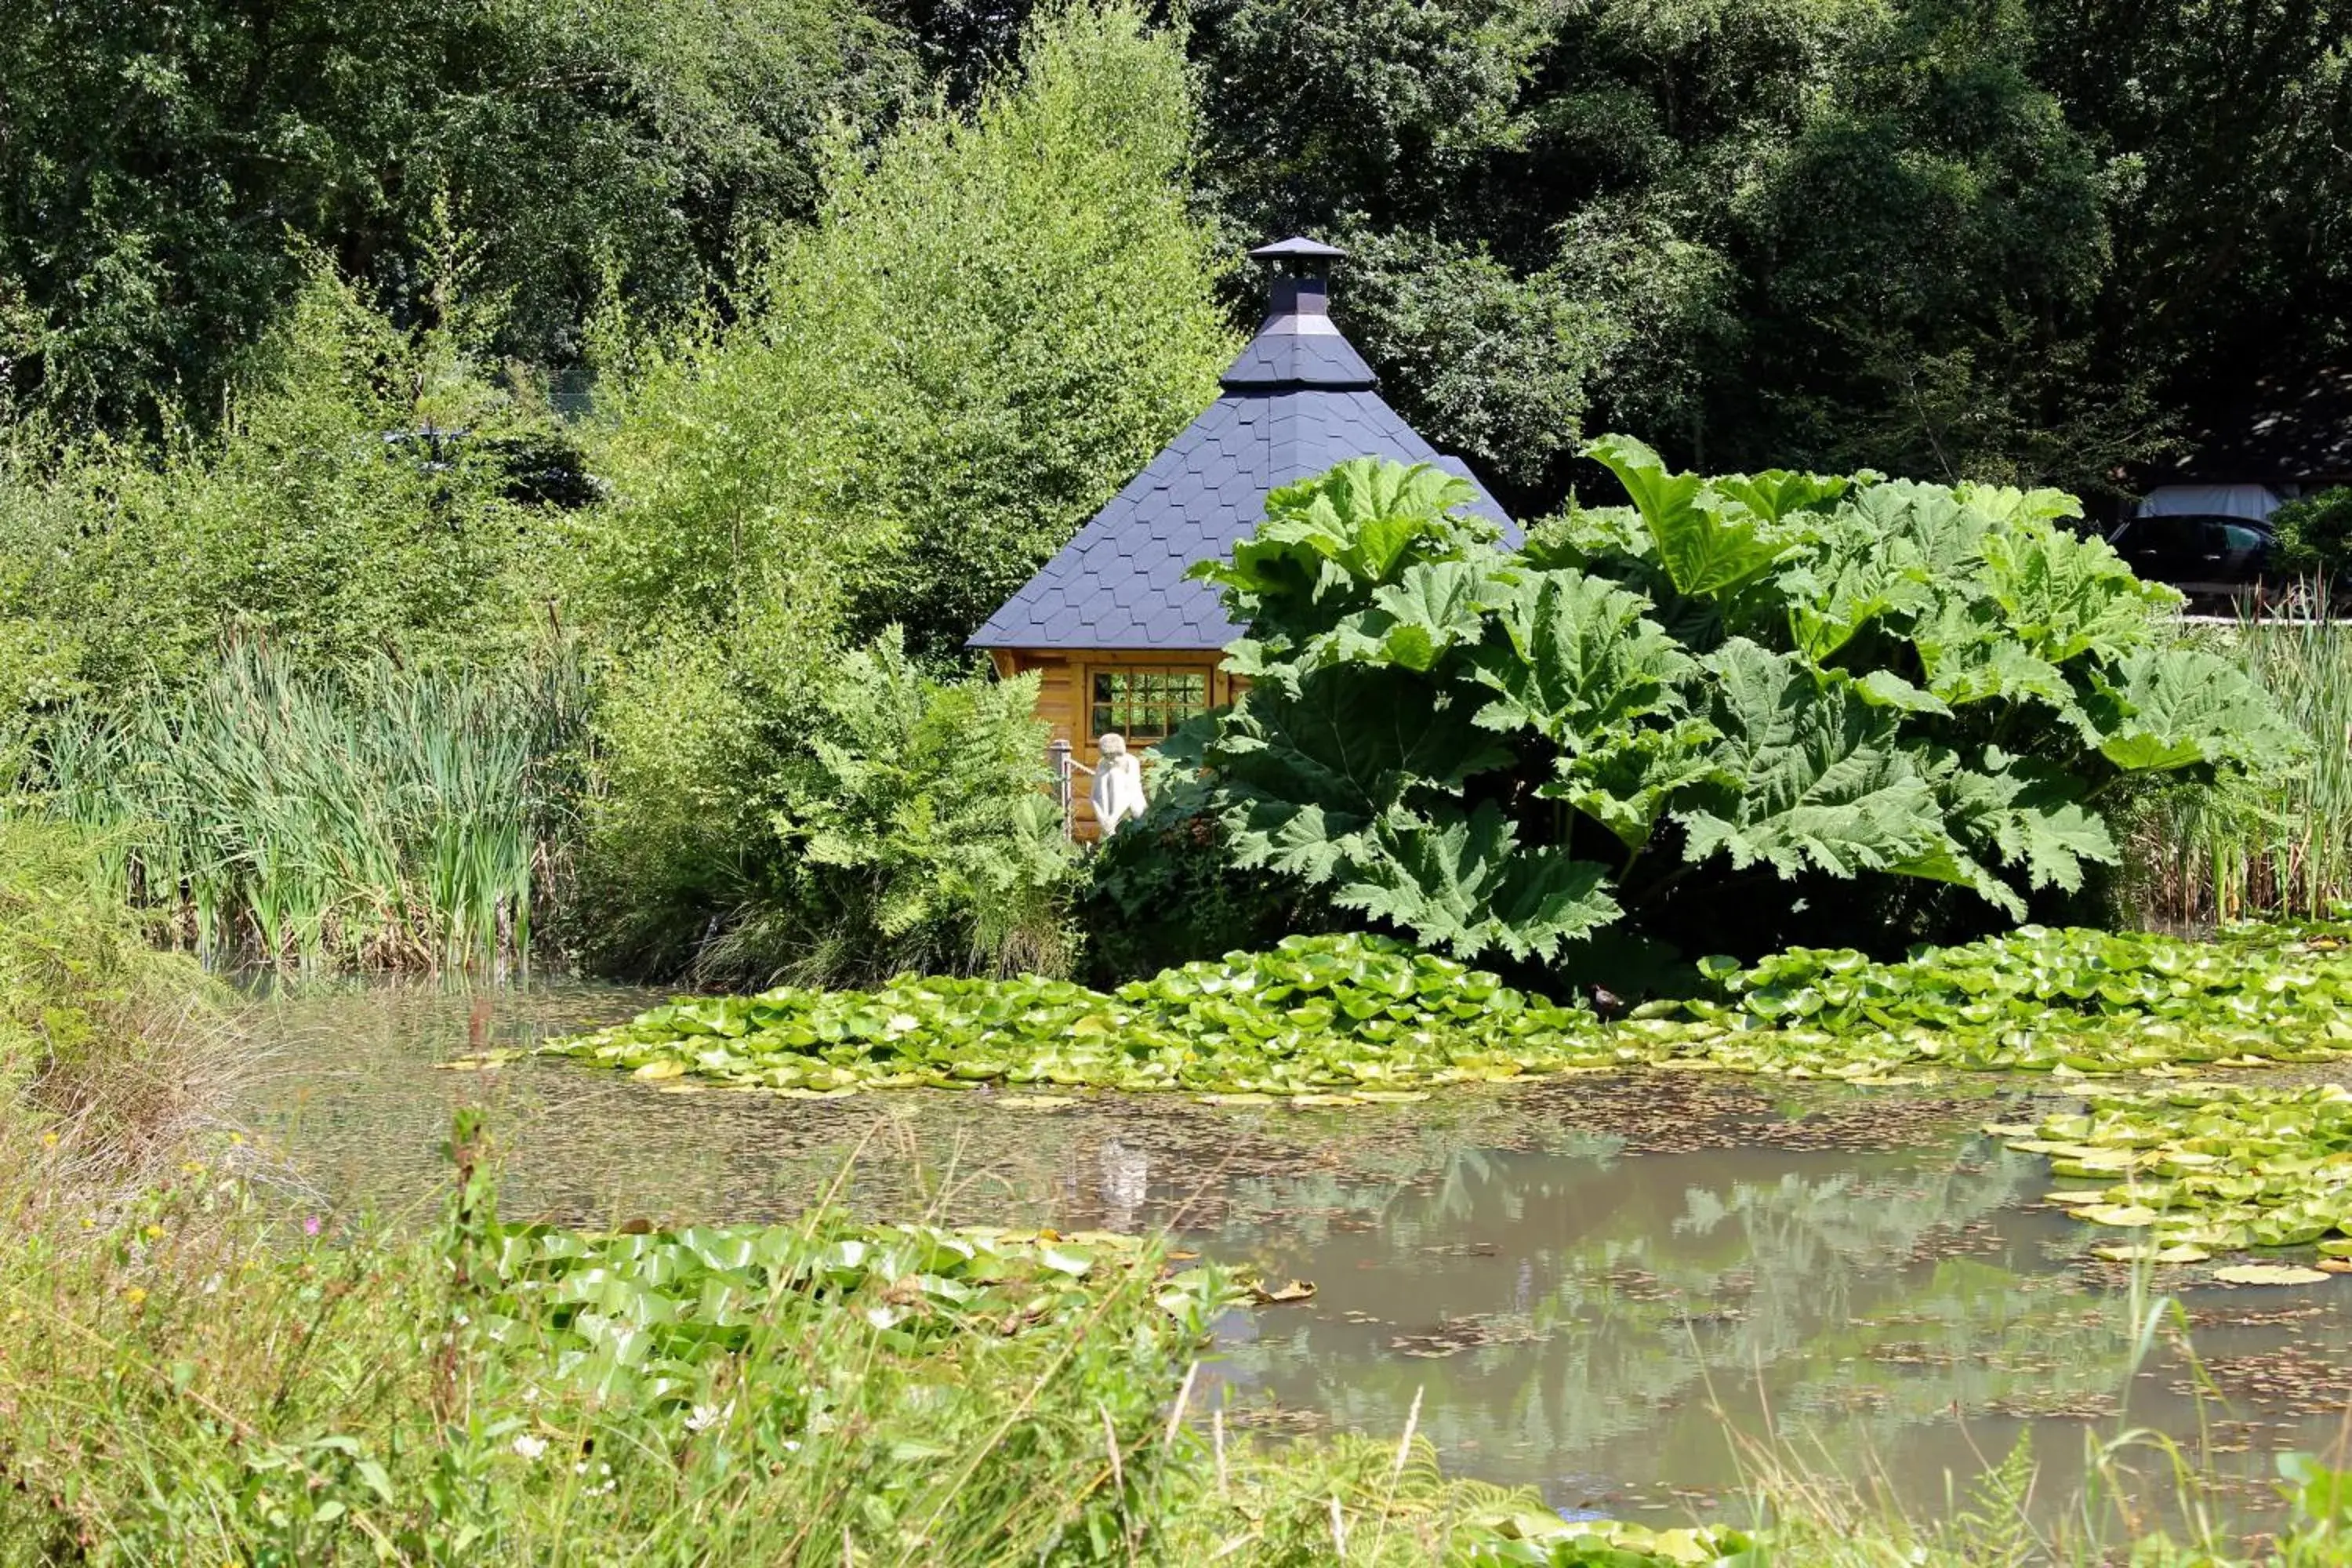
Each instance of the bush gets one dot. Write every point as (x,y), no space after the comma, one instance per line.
(770,815)
(352,508)
(1743,711)
(2314,534)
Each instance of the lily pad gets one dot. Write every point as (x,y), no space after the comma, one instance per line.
(2269,1274)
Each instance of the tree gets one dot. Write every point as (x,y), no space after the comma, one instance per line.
(994,322)
(168,167)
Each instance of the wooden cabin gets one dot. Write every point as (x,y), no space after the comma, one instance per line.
(1123,642)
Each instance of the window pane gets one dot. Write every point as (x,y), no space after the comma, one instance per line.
(1103,680)
(1102,724)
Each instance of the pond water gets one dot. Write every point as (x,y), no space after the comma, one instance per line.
(1627,1291)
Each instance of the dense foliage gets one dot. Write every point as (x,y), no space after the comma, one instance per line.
(169,169)
(1696,713)
(1354,1018)
(862,819)
(2025,241)
(2314,534)
(2203,1166)
(358,500)
(399,817)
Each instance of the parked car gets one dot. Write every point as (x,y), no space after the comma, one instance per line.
(2208,558)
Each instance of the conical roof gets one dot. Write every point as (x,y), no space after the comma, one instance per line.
(1296,401)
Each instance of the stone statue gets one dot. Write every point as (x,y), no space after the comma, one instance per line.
(1118,794)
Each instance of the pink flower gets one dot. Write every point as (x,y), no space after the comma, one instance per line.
(310,1224)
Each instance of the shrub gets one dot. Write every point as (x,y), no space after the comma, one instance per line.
(2315,533)
(771,812)
(1741,712)
(351,507)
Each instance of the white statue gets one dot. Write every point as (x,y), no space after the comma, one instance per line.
(1118,794)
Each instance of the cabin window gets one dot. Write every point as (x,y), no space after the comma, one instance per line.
(1145,705)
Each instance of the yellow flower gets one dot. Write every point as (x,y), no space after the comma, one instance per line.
(134,1295)
(49,1139)
(154,1232)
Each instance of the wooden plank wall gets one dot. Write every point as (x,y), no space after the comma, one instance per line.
(1062,698)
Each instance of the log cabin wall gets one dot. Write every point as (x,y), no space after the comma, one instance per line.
(1084,693)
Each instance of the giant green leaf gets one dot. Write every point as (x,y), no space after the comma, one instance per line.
(1579,660)
(1809,774)
(1335,755)
(2174,707)
(1709,542)
(1327,542)
(2061,595)
(1462,882)
(1624,781)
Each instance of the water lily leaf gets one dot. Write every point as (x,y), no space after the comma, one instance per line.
(1280,1295)
(2269,1274)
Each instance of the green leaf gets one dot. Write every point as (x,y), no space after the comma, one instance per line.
(1580,662)
(1624,782)
(2174,707)
(1462,883)
(1295,770)
(1810,776)
(1708,542)
(1328,543)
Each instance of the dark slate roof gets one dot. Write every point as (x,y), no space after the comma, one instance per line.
(1296,401)
(1297,248)
(2296,427)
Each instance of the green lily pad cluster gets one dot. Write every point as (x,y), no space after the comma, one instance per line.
(2069,1001)
(2199,1168)
(1359,1018)
(1356,1017)
(645,1317)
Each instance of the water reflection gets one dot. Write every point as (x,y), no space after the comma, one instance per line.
(1604,1287)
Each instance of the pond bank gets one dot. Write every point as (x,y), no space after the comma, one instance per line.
(1586,1282)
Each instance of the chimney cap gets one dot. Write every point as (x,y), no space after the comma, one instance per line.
(1298,247)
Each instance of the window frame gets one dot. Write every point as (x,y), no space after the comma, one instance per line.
(1168,709)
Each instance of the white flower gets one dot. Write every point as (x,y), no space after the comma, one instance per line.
(703,1417)
(529,1446)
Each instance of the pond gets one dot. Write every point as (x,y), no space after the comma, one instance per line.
(1630,1292)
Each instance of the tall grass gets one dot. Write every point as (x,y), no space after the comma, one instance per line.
(408,820)
(2272,847)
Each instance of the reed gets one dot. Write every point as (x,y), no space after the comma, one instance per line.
(407,820)
(2272,847)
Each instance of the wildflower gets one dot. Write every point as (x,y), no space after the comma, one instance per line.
(154,1232)
(703,1417)
(135,1295)
(529,1446)
(309,1225)
(49,1139)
